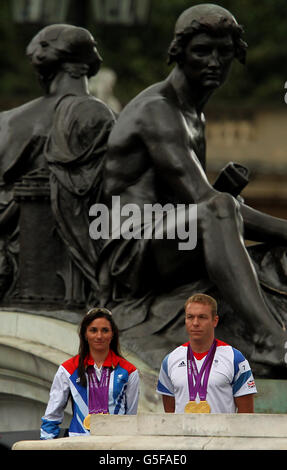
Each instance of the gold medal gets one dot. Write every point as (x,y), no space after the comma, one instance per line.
(87,422)
(193,407)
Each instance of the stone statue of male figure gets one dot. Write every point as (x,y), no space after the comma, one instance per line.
(156,153)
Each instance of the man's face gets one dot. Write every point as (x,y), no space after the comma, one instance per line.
(200,322)
(207,60)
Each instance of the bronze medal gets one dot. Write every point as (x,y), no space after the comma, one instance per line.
(193,407)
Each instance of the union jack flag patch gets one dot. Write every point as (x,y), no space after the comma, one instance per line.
(251,383)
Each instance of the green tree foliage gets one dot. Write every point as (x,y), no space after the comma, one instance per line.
(138,55)
(17,81)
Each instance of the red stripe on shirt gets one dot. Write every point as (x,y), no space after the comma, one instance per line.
(112,360)
(199,356)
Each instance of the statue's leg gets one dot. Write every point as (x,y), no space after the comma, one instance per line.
(262,227)
(227,260)
(230,268)
(220,229)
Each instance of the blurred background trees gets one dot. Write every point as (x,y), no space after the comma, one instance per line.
(138,53)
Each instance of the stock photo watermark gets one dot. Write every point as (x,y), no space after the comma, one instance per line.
(152,221)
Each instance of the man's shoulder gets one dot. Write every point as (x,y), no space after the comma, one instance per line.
(233,355)
(177,353)
(181,348)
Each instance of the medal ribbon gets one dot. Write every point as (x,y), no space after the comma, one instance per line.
(194,377)
(98,390)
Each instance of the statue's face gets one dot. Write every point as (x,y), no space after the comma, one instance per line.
(43,55)
(208,59)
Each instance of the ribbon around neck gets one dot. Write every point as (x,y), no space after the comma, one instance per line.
(195,384)
(98,390)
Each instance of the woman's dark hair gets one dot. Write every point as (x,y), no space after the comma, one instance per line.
(92,315)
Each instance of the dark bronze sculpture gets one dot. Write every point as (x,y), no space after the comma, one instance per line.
(156,154)
(59,140)
(54,167)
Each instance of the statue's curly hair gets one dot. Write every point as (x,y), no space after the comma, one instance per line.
(221,26)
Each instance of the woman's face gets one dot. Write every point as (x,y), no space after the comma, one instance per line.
(99,335)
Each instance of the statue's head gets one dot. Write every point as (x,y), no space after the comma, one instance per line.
(210,19)
(62,43)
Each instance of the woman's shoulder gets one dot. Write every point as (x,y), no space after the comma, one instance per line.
(71,364)
(128,366)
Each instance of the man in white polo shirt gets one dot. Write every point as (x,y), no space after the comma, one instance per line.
(205,375)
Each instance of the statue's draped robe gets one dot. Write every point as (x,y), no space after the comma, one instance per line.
(67,137)
(75,152)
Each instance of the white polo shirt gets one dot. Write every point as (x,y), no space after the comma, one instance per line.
(230,377)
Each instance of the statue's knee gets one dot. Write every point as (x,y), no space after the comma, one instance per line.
(223,205)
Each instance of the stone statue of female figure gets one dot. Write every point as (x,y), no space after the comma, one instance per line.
(64,132)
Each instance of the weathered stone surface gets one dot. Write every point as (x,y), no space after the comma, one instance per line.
(175,432)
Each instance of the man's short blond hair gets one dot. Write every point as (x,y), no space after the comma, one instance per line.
(203,299)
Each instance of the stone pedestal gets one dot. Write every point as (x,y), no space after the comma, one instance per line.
(46,274)
(157,431)
(41,254)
